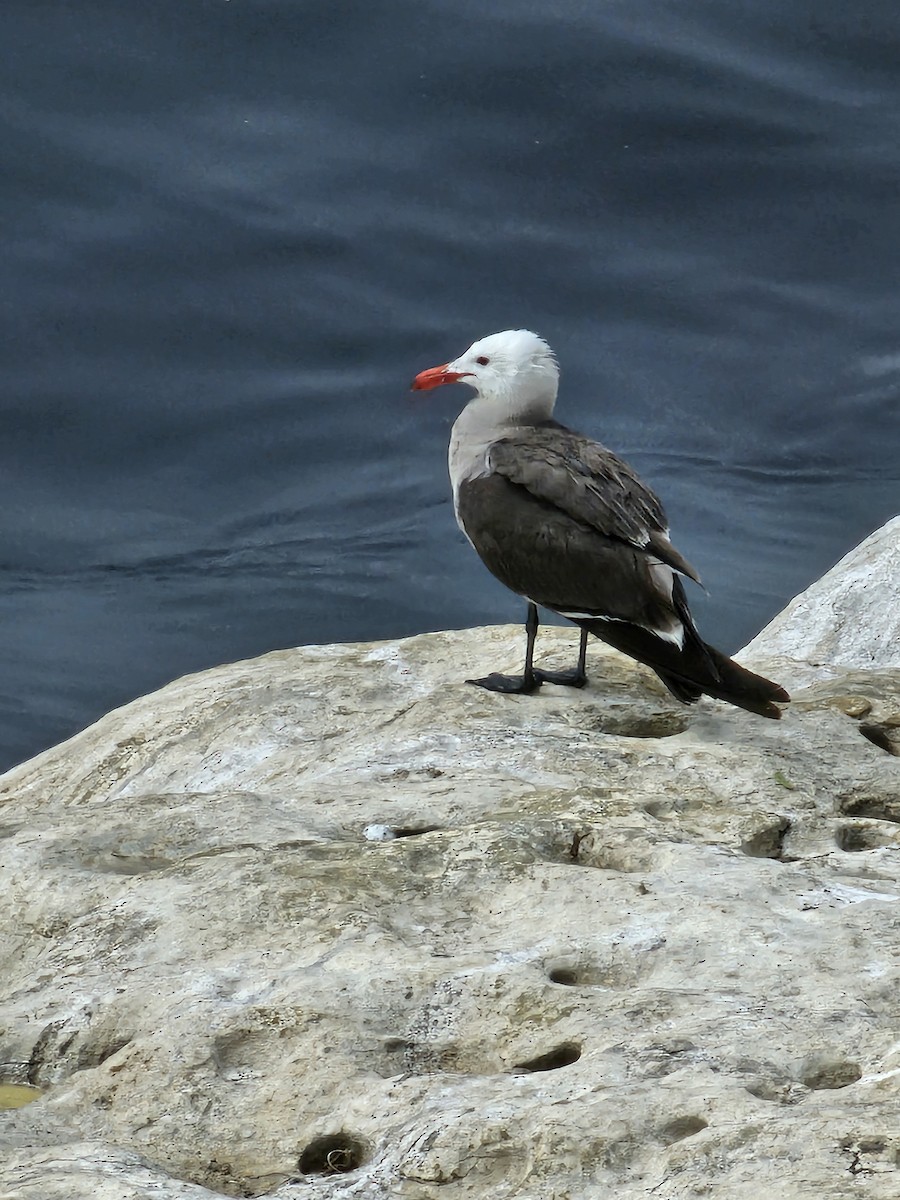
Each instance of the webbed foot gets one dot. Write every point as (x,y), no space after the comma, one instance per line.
(511,685)
(574,678)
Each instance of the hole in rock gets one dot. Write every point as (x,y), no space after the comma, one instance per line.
(621,969)
(777,1091)
(623,721)
(562,844)
(830,1076)
(768,842)
(856,838)
(117,863)
(876,808)
(396,1045)
(564,975)
(561,1056)
(625,850)
(669,808)
(333,1154)
(881,737)
(415,830)
(681,1128)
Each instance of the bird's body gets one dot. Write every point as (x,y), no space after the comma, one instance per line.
(569,526)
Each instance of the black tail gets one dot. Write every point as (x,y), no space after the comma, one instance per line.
(694,669)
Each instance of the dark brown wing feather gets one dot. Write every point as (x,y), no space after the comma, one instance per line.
(541,552)
(694,669)
(589,483)
(538,550)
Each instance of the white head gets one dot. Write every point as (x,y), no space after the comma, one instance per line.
(514,373)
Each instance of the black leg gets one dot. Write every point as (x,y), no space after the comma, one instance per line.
(529,680)
(576,678)
(532,677)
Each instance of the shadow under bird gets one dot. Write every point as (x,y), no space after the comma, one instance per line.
(567,525)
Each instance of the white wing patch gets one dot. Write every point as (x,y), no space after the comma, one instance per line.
(673,633)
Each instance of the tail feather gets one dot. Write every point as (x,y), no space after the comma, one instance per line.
(694,669)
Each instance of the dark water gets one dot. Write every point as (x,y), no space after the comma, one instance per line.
(233,231)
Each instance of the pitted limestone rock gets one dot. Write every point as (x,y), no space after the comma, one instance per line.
(601,945)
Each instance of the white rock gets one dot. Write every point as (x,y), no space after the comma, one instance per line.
(615,947)
(379,833)
(849,618)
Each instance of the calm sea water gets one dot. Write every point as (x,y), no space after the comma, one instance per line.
(234,229)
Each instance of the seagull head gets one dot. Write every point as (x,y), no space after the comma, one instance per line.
(514,371)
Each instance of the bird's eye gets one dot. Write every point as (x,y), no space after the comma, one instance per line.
(482,361)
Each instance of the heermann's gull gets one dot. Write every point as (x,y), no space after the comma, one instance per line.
(569,526)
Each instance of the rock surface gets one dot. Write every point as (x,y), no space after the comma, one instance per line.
(849,618)
(331,923)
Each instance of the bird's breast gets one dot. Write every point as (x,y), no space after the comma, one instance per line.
(468,459)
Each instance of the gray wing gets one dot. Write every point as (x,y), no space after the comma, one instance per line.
(589,484)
